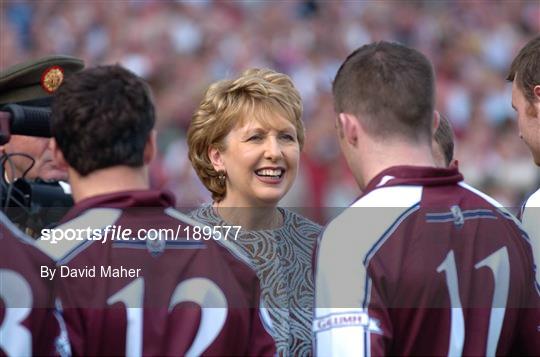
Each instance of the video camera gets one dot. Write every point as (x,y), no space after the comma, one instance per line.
(24,120)
(34,204)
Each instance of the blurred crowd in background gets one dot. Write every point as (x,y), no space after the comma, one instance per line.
(181,47)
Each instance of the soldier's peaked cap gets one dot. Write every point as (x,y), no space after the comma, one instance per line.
(36,79)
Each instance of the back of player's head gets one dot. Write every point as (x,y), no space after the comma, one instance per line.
(525,69)
(390,87)
(444,138)
(102,117)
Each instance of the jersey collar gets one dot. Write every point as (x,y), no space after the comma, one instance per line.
(122,200)
(414,176)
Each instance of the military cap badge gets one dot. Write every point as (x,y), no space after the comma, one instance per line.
(36,79)
(52,78)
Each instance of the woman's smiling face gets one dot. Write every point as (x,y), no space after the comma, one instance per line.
(261,161)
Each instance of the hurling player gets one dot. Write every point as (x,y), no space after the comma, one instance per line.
(421,263)
(132,292)
(525,77)
(29,324)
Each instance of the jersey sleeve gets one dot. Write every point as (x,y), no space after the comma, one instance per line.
(346,322)
(73,320)
(531,219)
(528,342)
(28,324)
(530,333)
(350,331)
(261,342)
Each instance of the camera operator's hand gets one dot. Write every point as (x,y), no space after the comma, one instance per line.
(38,164)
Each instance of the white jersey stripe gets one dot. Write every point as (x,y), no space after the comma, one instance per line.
(233,248)
(355,232)
(95,219)
(16,232)
(531,224)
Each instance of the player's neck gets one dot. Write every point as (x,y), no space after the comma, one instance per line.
(382,157)
(109,180)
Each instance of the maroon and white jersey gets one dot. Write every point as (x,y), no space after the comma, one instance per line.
(134,294)
(28,325)
(423,264)
(530,217)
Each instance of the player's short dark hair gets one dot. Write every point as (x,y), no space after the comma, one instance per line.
(525,69)
(444,137)
(102,117)
(389,86)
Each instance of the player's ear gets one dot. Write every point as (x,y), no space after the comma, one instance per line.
(58,155)
(150,148)
(339,127)
(351,128)
(214,154)
(536,91)
(436,122)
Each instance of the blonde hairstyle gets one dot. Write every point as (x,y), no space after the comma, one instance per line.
(228,103)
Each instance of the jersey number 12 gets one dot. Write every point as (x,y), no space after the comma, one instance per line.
(201,291)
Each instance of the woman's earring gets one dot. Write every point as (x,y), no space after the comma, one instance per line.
(222,177)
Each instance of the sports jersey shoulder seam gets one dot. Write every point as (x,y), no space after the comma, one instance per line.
(533,200)
(233,250)
(18,234)
(70,251)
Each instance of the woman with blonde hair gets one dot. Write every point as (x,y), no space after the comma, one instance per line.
(244,143)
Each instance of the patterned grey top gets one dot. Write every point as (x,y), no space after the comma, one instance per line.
(282,259)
